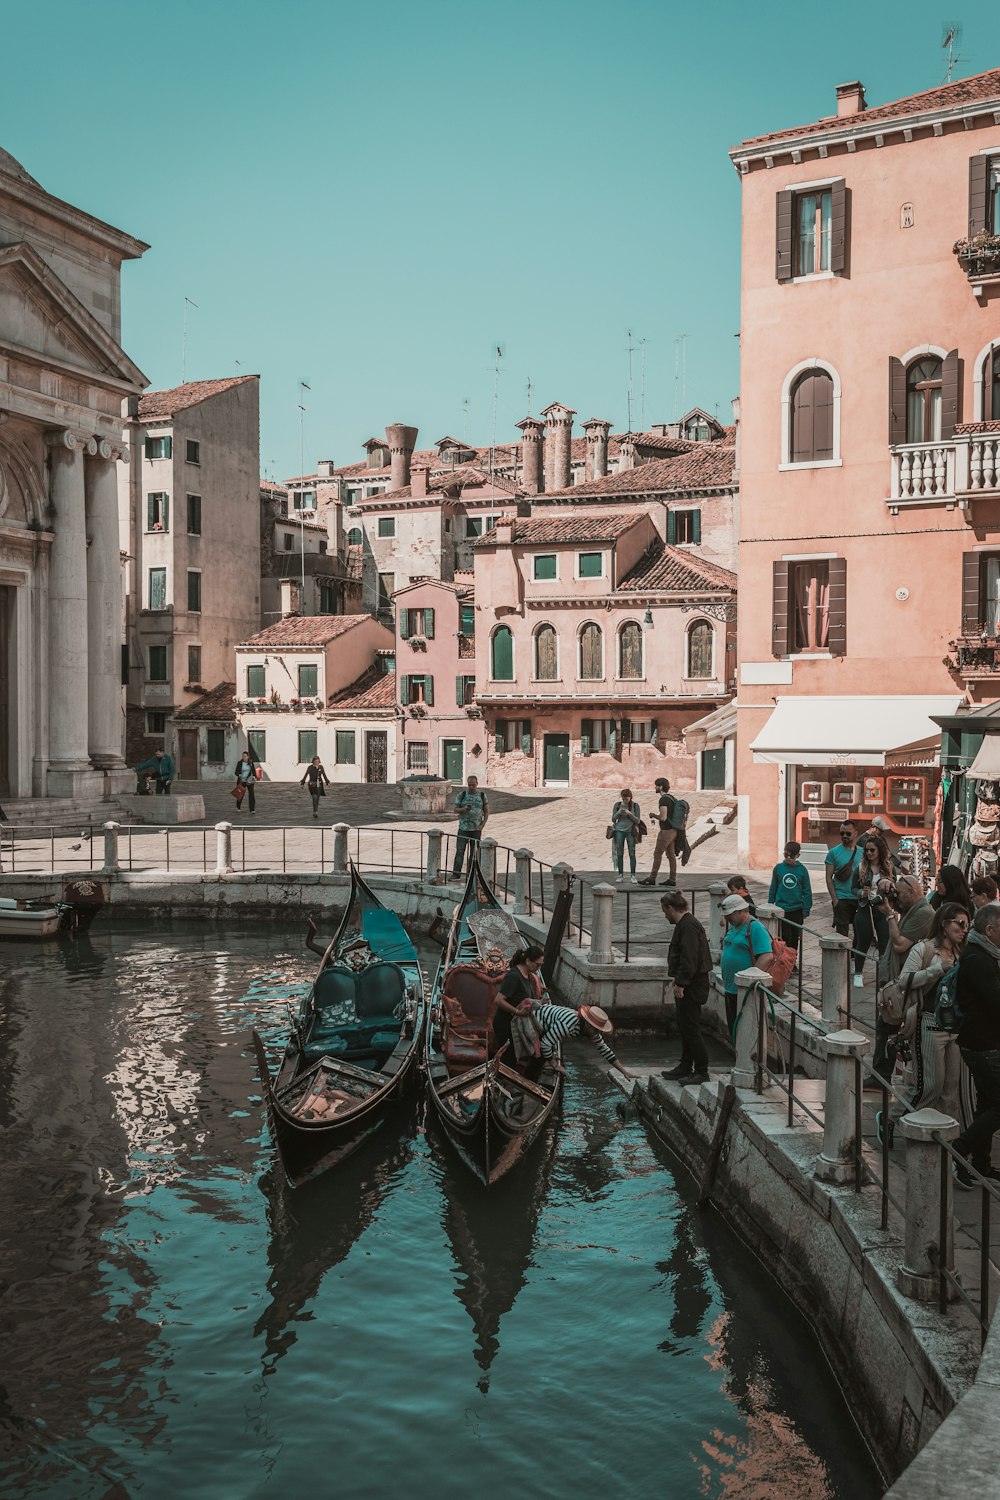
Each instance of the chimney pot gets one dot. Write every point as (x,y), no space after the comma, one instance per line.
(291,597)
(402,441)
(597,447)
(850,98)
(532,445)
(558,445)
(419,481)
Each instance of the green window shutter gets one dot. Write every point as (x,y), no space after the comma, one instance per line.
(404,624)
(526,736)
(404,690)
(429,691)
(654,732)
(671,526)
(429,624)
(503,655)
(612,736)
(501,736)
(150,512)
(696,527)
(460,691)
(626,731)
(586,735)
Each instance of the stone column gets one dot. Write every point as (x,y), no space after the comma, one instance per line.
(340,832)
(835,967)
(70,773)
(223,848)
(602,924)
(111,860)
(488,860)
(748,1002)
(771,917)
(106,728)
(835,1162)
(532,444)
(522,881)
(597,447)
(717,892)
(917,1276)
(434,837)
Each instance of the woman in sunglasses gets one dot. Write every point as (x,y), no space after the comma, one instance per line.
(933,1074)
(875,883)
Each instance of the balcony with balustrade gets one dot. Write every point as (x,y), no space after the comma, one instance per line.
(949,472)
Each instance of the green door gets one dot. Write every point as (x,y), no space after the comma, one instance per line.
(454,760)
(556,759)
(713,770)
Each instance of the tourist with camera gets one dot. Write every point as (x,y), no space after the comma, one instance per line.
(909,920)
(875,885)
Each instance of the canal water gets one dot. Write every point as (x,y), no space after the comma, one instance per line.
(175,1323)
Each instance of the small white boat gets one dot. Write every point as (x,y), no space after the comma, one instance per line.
(22,918)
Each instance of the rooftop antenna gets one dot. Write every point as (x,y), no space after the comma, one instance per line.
(529,395)
(496,387)
(628,333)
(642,384)
(684,370)
(184,339)
(465,420)
(303,387)
(951,40)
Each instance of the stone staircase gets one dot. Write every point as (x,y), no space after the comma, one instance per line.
(63,814)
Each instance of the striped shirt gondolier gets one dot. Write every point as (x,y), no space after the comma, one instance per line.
(558,1021)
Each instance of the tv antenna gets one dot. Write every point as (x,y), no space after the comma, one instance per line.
(303,387)
(951,40)
(184,338)
(631,346)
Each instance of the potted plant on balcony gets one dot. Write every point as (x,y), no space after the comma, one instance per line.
(979,254)
(296,705)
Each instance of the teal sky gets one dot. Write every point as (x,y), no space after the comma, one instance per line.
(371,198)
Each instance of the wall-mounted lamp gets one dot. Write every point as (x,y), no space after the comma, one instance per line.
(647,620)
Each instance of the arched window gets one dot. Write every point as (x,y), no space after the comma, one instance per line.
(923,400)
(546,654)
(630,650)
(700,649)
(812,406)
(991,385)
(502,655)
(591,653)
(354,537)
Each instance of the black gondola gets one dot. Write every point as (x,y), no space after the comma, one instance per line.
(490,1113)
(354,1044)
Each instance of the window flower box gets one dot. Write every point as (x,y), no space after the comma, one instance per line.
(980,255)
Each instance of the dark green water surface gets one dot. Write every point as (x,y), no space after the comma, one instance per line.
(175,1324)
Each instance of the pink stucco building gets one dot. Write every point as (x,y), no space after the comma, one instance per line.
(597,644)
(440,729)
(870,455)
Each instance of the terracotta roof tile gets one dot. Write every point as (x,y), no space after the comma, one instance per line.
(305,630)
(218,706)
(373,689)
(562,529)
(164,403)
(676,570)
(704,466)
(947,96)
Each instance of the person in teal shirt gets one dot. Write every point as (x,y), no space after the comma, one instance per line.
(842,864)
(791,889)
(162,766)
(745,941)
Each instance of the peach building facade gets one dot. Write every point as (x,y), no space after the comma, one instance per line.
(597,645)
(440,729)
(870,456)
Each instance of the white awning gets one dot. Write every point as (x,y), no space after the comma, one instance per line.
(846,731)
(986,766)
(712,731)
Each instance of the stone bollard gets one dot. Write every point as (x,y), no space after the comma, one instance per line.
(522,881)
(488,860)
(836,1162)
(602,924)
(223,848)
(771,916)
(717,893)
(340,832)
(917,1276)
(434,837)
(748,1001)
(562,880)
(835,972)
(111,861)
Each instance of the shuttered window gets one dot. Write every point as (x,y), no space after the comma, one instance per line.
(308,680)
(991,386)
(502,655)
(979,196)
(346,747)
(307,746)
(700,642)
(255,682)
(157,588)
(684,527)
(981,593)
(157,511)
(923,400)
(811,231)
(465,691)
(630,650)
(546,654)
(591,653)
(812,418)
(809,606)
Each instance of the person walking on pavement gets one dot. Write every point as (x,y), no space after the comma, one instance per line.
(162,766)
(246,777)
(977,1000)
(689,963)
(791,889)
(911,924)
(473,810)
(874,883)
(625,819)
(316,776)
(666,837)
(841,867)
(746,941)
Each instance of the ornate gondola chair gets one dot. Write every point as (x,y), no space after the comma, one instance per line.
(468,1000)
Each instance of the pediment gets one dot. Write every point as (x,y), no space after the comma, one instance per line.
(40,316)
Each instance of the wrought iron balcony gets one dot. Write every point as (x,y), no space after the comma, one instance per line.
(976,656)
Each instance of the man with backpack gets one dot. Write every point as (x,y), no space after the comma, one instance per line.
(689,964)
(672,816)
(977,1010)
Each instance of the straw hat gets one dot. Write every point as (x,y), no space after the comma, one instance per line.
(596,1017)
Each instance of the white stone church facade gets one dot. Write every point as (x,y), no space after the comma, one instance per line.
(63,379)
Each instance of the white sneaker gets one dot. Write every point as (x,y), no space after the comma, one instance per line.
(632,880)
(859,983)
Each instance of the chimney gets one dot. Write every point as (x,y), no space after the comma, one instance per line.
(402,441)
(291,597)
(850,98)
(558,439)
(597,447)
(626,452)
(531,455)
(324,468)
(503,531)
(418,481)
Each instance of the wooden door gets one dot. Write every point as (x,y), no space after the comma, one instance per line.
(713,770)
(454,760)
(187,754)
(377,756)
(556,758)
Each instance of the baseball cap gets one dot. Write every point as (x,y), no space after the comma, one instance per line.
(733,904)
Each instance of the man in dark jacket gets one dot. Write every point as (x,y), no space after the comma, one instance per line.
(977,998)
(689,963)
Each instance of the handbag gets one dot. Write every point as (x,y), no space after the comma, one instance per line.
(609,832)
(238,791)
(641,830)
(258,773)
(892,1000)
(778,965)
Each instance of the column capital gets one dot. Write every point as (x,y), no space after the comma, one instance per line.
(71,439)
(110,451)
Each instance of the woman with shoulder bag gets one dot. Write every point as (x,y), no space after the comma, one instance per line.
(874,882)
(933,1072)
(625,821)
